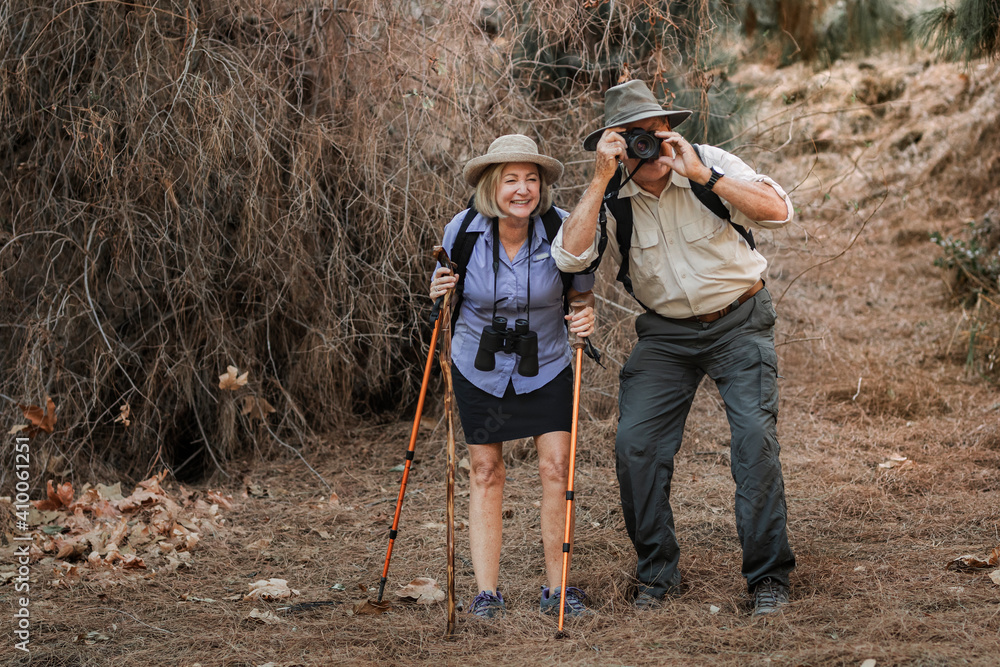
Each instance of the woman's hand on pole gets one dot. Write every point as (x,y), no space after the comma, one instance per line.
(583,321)
(444,280)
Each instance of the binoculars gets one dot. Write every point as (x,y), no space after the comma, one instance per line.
(498,338)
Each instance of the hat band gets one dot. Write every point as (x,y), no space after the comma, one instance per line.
(639,110)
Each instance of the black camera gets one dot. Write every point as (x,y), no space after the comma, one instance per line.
(641,144)
(498,338)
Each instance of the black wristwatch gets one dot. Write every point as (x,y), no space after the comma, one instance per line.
(716,175)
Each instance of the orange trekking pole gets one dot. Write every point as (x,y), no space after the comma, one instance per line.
(413,434)
(578,345)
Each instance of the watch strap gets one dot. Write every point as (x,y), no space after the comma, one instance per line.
(713,179)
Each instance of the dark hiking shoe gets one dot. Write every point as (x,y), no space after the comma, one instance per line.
(574,602)
(769,597)
(646,601)
(488,605)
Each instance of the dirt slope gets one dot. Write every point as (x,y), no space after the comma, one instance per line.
(879,154)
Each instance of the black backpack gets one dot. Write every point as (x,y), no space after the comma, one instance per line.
(622,210)
(465,241)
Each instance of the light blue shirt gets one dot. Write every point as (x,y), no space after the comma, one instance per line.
(546,316)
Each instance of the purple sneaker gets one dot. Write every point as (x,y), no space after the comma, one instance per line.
(488,605)
(574,602)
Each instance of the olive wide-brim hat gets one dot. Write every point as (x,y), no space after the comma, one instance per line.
(512,148)
(629,102)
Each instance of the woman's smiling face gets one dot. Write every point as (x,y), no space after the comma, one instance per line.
(518,190)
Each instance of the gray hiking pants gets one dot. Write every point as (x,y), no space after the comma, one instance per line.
(658,384)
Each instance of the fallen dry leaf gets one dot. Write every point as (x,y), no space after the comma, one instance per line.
(123,417)
(369,608)
(970,562)
(266,617)
(421,590)
(995,577)
(91,638)
(270,589)
(225,501)
(256,408)
(42,419)
(231,379)
(58,497)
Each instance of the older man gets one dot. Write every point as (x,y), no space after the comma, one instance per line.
(675,218)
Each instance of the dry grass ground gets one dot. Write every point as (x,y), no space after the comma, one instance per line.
(873,367)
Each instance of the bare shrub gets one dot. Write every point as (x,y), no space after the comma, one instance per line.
(196,184)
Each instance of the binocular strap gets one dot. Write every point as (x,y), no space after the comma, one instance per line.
(496,267)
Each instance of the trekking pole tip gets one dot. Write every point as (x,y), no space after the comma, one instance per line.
(381,587)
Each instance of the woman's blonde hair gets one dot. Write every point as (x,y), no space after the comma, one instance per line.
(486,192)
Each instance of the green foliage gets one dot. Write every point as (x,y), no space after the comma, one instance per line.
(976,266)
(976,261)
(968,30)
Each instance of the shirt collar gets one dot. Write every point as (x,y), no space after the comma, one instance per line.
(631,189)
(482,224)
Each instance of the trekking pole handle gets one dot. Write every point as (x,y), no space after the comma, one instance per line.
(575,341)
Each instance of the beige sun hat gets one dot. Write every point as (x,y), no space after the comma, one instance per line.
(629,102)
(512,148)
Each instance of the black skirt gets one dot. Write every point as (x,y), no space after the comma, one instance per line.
(486,418)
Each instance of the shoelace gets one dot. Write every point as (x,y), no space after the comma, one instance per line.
(575,598)
(767,594)
(484,602)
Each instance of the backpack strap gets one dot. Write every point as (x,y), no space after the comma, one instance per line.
(713,203)
(461,253)
(622,210)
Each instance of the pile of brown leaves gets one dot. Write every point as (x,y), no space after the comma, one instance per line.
(105,536)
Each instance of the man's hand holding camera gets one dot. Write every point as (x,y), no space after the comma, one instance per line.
(684,161)
(617,144)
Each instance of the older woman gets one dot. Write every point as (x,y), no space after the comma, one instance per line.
(500,395)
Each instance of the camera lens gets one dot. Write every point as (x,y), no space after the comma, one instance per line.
(642,144)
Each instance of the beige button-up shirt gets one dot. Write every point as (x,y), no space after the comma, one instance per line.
(684,259)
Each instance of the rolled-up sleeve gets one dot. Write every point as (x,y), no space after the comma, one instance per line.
(569,262)
(737,168)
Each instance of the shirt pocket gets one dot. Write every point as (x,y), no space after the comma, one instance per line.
(708,240)
(644,256)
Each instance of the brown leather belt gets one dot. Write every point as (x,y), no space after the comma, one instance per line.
(711,317)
